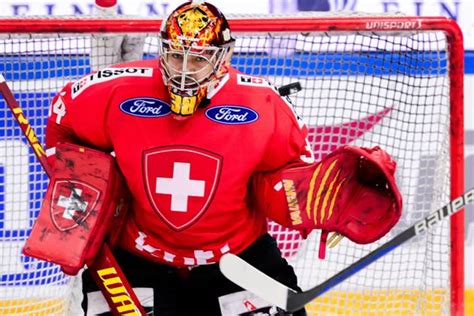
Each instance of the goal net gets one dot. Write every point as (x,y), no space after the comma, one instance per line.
(367,80)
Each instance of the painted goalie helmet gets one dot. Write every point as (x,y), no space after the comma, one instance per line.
(195,47)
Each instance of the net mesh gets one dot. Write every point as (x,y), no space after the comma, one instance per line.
(387,89)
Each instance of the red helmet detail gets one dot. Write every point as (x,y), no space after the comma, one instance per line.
(195,46)
(202,23)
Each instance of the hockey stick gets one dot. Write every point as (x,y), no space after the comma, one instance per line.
(105,269)
(253,280)
(290,88)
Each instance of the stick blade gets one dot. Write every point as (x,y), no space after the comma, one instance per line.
(249,278)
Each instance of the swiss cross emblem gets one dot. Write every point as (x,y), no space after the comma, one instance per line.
(72,202)
(180,182)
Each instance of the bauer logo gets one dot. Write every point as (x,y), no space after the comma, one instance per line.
(232,114)
(145,107)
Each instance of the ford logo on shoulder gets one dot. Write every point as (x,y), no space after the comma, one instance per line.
(232,114)
(145,107)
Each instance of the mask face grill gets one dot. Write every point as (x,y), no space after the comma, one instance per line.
(188,67)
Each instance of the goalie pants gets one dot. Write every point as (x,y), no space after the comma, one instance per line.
(184,292)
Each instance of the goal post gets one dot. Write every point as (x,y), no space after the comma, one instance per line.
(393,81)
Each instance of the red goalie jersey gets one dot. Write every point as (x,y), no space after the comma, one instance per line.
(189,178)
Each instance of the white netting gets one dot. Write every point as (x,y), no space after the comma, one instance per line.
(367,89)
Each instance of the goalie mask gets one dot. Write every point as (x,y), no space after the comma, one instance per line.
(195,46)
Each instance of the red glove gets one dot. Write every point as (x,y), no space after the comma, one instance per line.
(352,191)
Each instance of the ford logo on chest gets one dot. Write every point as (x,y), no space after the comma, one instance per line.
(145,107)
(232,114)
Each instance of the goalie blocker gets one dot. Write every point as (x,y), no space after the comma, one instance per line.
(85,198)
(352,192)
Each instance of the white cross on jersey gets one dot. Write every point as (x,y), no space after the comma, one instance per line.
(180,186)
(72,204)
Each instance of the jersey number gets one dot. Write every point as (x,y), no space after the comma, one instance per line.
(59,108)
(183,105)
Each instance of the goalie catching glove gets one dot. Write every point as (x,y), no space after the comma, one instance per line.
(351,192)
(85,198)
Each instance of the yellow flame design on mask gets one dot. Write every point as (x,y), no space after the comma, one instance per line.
(192,22)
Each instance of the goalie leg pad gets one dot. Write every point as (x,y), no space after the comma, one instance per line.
(245,303)
(86,196)
(97,305)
